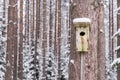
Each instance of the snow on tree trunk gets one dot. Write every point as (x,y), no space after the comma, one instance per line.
(110,17)
(38,41)
(65,45)
(3,37)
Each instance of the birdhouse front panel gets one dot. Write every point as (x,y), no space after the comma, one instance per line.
(82,37)
(82,26)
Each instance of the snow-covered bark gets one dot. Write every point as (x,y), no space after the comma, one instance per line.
(37,47)
(27,59)
(65,45)
(116,34)
(110,20)
(3,38)
(29,46)
(106,7)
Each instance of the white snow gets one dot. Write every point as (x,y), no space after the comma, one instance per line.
(117,48)
(110,56)
(116,33)
(72,61)
(115,62)
(81,20)
(116,10)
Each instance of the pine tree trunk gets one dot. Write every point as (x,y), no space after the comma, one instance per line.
(20,61)
(15,42)
(87,66)
(59,40)
(37,36)
(118,53)
(10,40)
(44,40)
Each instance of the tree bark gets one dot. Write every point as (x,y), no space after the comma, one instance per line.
(87,66)
(15,42)
(44,40)
(37,36)
(59,39)
(118,55)
(20,62)
(10,39)
(101,44)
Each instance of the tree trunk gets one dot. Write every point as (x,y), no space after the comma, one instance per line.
(91,65)
(44,40)
(10,40)
(37,36)
(15,42)
(118,43)
(59,39)
(20,61)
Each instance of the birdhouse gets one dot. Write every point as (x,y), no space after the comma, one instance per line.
(82,27)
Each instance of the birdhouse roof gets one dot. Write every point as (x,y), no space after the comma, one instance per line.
(81,22)
(76,20)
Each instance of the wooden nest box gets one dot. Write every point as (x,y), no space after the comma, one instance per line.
(82,27)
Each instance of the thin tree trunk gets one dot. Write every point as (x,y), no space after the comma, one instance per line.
(15,42)
(55,30)
(50,23)
(118,52)
(26,36)
(20,62)
(44,40)
(4,34)
(37,36)
(59,40)
(55,34)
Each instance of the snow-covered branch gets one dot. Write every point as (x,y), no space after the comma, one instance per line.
(117,9)
(115,62)
(117,48)
(116,33)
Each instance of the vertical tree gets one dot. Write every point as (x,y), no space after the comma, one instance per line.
(36,61)
(32,37)
(20,52)
(110,44)
(118,19)
(12,41)
(15,37)
(59,39)
(44,40)
(3,38)
(85,66)
(26,44)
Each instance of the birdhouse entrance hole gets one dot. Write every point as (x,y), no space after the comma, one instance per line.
(82,33)
(82,27)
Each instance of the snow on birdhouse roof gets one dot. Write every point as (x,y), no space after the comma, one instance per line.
(77,20)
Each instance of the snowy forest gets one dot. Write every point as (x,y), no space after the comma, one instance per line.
(38,40)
